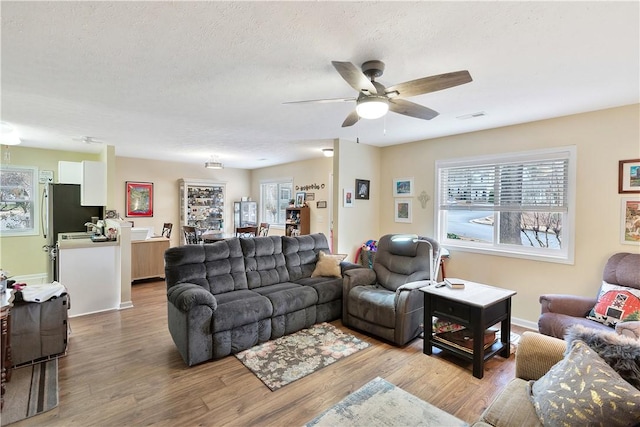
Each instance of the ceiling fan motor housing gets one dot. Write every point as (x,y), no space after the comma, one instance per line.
(373,69)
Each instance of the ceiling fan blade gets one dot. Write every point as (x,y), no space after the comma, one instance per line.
(321,101)
(351,119)
(412,109)
(355,77)
(429,84)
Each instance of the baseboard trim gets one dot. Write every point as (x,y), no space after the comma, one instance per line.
(524,323)
(126,304)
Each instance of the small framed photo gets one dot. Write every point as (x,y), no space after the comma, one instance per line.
(139,201)
(322,204)
(402,187)
(629,176)
(300,196)
(310,197)
(348,198)
(402,210)
(362,189)
(630,221)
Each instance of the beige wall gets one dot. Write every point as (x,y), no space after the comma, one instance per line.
(355,225)
(602,139)
(307,172)
(23,255)
(166,200)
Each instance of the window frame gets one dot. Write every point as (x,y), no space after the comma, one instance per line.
(565,255)
(279,183)
(34,230)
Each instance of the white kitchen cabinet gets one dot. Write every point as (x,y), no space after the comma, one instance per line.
(69,172)
(88,271)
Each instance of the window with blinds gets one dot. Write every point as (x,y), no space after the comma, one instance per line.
(517,204)
(274,199)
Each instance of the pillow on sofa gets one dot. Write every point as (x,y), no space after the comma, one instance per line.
(582,389)
(328,265)
(620,352)
(616,304)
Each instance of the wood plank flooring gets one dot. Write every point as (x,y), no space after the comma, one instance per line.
(122,369)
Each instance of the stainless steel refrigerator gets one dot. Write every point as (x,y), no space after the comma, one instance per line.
(63,213)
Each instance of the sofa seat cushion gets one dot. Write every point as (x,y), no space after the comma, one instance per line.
(288,297)
(556,324)
(512,407)
(373,304)
(240,308)
(328,288)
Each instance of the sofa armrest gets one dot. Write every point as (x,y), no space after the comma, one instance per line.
(629,329)
(412,286)
(347,265)
(357,277)
(536,354)
(185,296)
(571,305)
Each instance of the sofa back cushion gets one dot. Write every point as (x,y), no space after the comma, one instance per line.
(401,262)
(217,267)
(264,261)
(623,269)
(301,253)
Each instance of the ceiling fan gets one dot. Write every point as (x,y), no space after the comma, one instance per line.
(374,100)
(88,140)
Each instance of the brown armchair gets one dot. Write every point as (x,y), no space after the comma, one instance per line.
(559,312)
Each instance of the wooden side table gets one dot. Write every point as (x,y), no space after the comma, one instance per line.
(6,301)
(476,307)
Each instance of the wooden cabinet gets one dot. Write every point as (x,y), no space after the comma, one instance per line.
(298,221)
(147,258)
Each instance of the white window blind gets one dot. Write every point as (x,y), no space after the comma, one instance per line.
(527,184)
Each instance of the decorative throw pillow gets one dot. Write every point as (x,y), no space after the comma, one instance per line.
(582,389)
(620,352)
(328,265)
(616,304)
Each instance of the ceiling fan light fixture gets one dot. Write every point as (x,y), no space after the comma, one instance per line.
(213,163)
(9,135)
(372,107)
(328,152)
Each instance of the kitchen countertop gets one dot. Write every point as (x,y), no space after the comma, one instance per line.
(84,243)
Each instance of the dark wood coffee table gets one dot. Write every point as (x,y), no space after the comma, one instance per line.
(477,307)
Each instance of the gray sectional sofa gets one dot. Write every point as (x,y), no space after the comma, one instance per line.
(228,296)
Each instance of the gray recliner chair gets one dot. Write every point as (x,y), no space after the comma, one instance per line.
(385,301)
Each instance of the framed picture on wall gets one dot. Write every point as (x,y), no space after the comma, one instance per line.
(362,189)
(139,201)
(402,187)
(402,210)
(630,221)
(348,198)
(629,176)
(300,196)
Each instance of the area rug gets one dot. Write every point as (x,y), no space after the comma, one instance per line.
(380,403)
(291,357)
(31,391)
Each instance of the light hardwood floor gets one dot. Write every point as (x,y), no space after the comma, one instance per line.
(122,369)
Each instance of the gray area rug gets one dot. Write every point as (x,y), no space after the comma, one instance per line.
(289,358)
(31,391)
(379,403)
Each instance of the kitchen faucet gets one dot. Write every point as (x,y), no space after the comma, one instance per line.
(95,228)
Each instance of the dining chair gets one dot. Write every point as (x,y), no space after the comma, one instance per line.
(166,230)
(190,235)
(263,230)
(246,231)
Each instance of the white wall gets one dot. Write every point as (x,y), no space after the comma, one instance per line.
(602,139)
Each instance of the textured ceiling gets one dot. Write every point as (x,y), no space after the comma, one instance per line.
(186,80)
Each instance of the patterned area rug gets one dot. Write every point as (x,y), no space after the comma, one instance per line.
(380,403)
(289,358)
(31,391)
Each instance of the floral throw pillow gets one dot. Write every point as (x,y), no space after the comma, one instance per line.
(616,304)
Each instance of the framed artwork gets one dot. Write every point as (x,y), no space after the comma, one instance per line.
(629,176)
(139,201)
(402,210)
(362,189)
(310,197)
(321,204)
(300,196)
(348,198)
(630,221)
(402,187)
